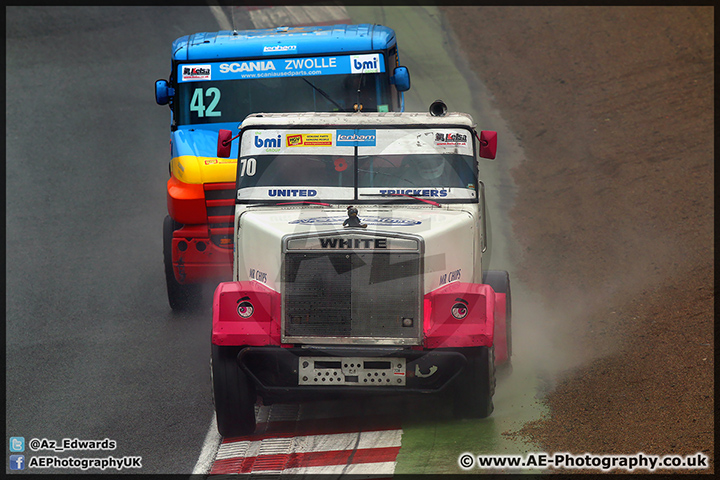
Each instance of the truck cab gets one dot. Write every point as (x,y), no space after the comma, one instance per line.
(357,266)
(216,80)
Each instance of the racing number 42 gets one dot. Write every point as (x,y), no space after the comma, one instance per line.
(197,103)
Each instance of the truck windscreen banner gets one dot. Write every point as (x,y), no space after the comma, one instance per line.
(282,67)
(356,163)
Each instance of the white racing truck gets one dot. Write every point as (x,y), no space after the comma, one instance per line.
(358,264)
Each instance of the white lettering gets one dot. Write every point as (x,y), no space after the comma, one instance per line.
(259,66)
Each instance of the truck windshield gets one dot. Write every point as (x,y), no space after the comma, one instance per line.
(228,92)
(416,170)
(299,176)
(357,164)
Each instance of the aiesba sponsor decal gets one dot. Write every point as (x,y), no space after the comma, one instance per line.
(195,72)
(450,139)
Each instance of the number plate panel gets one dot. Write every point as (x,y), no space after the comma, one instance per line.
(358,371)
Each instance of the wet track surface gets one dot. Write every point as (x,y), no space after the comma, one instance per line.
(93,350)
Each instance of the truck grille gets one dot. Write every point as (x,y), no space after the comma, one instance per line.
(352,296)
(220,204)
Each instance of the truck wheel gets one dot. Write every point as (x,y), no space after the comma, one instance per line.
(499,280)
(180,297)
(475,386)
(233,394)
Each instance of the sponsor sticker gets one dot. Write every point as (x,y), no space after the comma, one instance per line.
(283,67)
(195,72)
(416,192)
(218,161)
(309,140)
(389,221)
(359,138)
(270,143)
(279,48)
(368,63)
(292,192)
(245,67)
(451,139)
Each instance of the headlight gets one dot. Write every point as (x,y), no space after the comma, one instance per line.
(245,309)
(459,310)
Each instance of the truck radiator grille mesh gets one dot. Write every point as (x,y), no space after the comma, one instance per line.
(351,294)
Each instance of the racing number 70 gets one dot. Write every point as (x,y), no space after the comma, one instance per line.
(248,166)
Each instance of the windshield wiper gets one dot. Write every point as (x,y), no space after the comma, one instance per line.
(305,202)
(358,106)
(398,194)
(431,202)
(413,197)
(321,92)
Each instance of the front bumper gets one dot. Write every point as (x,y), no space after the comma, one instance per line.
(298,372)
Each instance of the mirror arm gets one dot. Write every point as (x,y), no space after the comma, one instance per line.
(225,143)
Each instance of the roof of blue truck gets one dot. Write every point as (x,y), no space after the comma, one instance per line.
(270,42)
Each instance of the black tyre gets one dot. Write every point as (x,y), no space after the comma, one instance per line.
(233,394)
(499,280)
(181,297)
(475,386)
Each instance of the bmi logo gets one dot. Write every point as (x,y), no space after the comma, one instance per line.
(268,142)
(369,63)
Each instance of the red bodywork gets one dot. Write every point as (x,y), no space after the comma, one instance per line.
(260,329)
(195,256)
(484,324)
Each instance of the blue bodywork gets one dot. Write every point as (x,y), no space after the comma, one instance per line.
(288,41)
(201,140)
(209,49)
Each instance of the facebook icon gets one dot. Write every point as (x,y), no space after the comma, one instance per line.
(17,462)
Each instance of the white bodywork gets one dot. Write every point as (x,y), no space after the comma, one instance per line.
(445,227)
(452,236)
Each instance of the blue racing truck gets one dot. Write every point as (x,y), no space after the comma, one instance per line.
(216,80)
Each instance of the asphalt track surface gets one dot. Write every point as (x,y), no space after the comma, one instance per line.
(92,348)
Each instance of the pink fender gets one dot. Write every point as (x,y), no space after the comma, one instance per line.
(501,346)
(475,329)
(245,313)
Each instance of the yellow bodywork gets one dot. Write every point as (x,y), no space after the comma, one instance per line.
(199,170)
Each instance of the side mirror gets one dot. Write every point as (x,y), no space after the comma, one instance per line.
(488,144)
(163,92)
(224,143)
(401,79)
